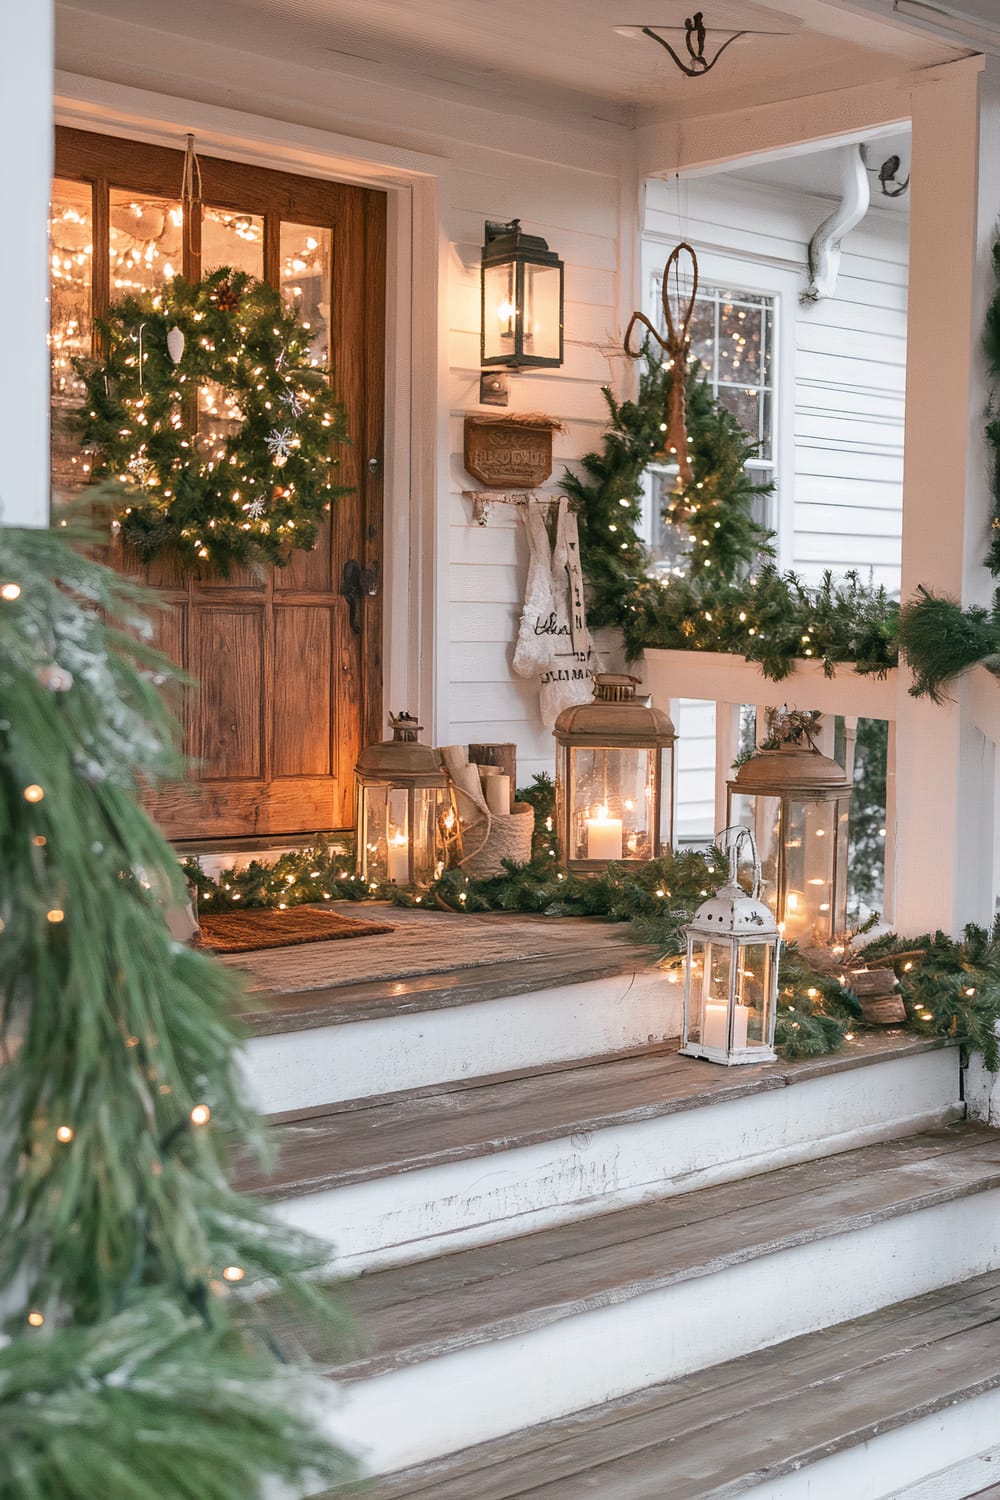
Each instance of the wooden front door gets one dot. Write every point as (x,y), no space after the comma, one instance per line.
(288,672)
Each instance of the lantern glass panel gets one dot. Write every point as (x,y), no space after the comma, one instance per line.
(373,832)
(716,984)
(839,912)
(613,803)
(397,856)
(430,806)
(752,1026)
(809,871)
(499,311)
(542,287)
(762,815)
(696,989)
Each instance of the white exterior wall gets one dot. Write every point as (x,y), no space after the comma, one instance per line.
(567,181)
(840,393)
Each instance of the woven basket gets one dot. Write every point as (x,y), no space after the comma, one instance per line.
(509,838)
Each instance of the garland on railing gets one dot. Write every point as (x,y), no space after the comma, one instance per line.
(727,596)
(949,988)
(937,637)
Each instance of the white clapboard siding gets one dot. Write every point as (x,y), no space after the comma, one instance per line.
(843,401)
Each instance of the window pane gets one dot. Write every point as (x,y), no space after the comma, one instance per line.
(232,239)
(71,239)
(744,404)
(306,261)
(703,339)
(146,242)
(739,343)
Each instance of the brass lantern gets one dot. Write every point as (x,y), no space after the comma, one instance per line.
(797,802)
(522,300)
(731,978)
(614,778)
(405,817)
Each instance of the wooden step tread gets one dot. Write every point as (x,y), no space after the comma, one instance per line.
(430,961)
(482,1116)
(419,1312)
(719,1432)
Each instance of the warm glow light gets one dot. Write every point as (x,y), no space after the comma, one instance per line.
(234,1273)
(56,914)
(201,1114)
(64,1134)
(36,1319)
(33,793)
(10,592)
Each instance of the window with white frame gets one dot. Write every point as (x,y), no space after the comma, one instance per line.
(733,339)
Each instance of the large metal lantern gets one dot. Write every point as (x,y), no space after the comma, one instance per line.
(405,812)
(614,778)
(797,802)
(731,978)
(522,300)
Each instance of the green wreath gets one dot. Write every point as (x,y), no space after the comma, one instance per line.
(205,407)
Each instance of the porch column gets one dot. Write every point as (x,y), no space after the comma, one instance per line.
(25,173)
(945,800)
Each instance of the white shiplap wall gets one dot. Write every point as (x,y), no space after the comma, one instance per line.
(840,393)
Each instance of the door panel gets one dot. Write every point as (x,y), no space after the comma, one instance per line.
(287,693)
(301,730)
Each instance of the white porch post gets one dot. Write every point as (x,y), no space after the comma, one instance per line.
(25,173)
(945,767)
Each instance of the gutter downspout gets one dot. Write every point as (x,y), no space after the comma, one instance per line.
(824,247)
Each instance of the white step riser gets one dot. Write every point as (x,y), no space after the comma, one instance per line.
(410,1216)
(302,1070)
(425,1411)
(905,1464)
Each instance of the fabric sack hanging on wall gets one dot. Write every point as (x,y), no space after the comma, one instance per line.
(553,642)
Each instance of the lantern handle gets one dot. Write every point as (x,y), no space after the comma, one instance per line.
(731,840)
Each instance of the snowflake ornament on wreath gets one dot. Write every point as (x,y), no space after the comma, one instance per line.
(226,456)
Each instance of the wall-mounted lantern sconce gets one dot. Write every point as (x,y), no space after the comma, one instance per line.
(522,300)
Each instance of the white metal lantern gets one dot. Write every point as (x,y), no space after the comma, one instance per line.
(731,978)
(614,778)
(405,816)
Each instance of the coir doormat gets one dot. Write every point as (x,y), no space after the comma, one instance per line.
(245,931)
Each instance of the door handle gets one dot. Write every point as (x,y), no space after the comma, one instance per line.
(355,583)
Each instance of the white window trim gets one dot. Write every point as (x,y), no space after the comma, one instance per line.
(747,274)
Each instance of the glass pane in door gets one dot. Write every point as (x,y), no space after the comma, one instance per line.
(71,258)
(146,243)
(306,257)
(232,239)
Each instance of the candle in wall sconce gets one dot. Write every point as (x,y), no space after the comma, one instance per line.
(604,836)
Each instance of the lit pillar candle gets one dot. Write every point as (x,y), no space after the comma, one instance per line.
(796,925)
(398,859)
(604,836)
(715,1032)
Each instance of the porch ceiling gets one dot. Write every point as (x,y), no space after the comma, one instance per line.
(571,55)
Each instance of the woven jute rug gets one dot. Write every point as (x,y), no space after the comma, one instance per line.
(245,931)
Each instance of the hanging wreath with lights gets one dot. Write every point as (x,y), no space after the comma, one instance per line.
(206,408)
